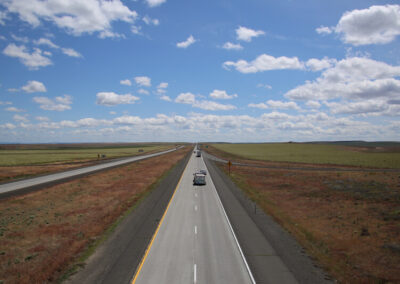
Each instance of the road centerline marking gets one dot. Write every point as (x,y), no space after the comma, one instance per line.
(195,273)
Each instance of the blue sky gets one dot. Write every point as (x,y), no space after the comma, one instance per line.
(164,70)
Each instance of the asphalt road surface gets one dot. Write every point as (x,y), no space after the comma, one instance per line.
(181,234)
(8,188)
(195,242)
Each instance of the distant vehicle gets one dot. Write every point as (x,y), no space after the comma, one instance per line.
(198,153)
(204,172)
(199,179)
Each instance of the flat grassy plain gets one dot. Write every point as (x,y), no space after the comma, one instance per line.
(44,234)
(347,220)
(47,154)
(373,157)
(23,161)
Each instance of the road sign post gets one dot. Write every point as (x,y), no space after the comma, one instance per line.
(229,167)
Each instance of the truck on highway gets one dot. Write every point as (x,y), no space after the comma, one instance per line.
(198,154)
(199,179)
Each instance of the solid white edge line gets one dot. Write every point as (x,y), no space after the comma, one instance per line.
(233,233)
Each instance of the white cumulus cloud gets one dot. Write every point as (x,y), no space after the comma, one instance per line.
(126,82)
(155,3)
(14,109)
(166,98)
(143,92)
(57,104)
(32,60)
(221,94)
(71,52)
(143,81)
(112,99)
(246,34)
(185,98)
(150,21)
(47,42)
(189,98)
(265,62)
(320,64)
(375,25)
(34,87)
(210,105)
(324,30)
(76,17)
(258,105)
(184,44)
(351,78)
(20,118)
(232,46)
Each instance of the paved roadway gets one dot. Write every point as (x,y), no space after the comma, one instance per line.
(8,188)
(195,242)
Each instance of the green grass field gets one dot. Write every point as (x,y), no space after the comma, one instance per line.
(313,153)
(46,156)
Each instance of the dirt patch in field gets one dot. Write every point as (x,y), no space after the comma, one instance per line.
(44,232)
(348,221)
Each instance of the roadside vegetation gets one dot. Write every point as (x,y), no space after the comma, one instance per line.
(21,161)
(368,155)
(348,221)
(46,233)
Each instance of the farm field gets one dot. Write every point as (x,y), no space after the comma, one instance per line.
(45,233)
(371,157)
(21,161)
(69,153)
(349,221)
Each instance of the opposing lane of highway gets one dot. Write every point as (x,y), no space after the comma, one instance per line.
(194,243)
(42,180)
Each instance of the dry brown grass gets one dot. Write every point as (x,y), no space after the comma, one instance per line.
(348,221)
(43,232)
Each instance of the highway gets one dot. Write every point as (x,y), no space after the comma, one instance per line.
(183,233)
(194,242)
(7,188)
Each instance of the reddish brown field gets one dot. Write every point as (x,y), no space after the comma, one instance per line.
(45,232)
(348,221)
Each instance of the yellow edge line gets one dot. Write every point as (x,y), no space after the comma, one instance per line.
(158,228)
